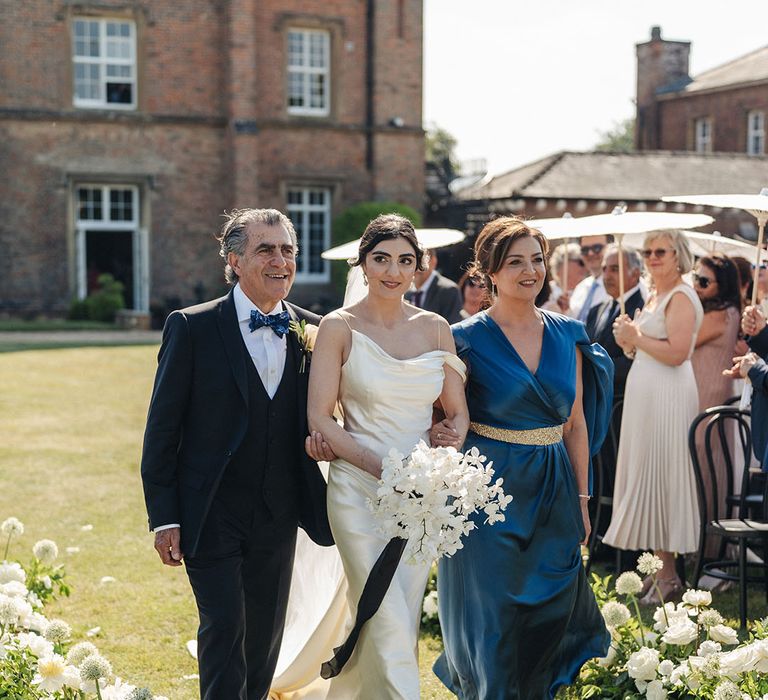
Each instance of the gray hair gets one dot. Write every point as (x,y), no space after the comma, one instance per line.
(233,236)
(631,255)
(558,256)
(678,241)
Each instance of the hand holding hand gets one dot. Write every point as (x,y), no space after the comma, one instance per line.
(741,366)
(444,434)
(317,448)
(626,333)
(168,546)
(752,320)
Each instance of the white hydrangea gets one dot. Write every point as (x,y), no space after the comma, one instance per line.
(12,571)
(723,634)
(629,583)
(680,632)
(12,526)
(697,599)
(649,564)
(642,664)
(45,551)
(615,614)
(428,497)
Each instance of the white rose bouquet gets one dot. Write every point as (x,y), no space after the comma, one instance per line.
(429,497)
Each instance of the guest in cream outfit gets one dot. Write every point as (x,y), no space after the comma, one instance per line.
(655,504)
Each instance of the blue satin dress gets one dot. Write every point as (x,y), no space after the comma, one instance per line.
(518,616)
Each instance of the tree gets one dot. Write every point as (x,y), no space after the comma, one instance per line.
(440,147)
(619,138)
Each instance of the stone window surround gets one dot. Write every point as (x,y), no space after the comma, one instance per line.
(305,185)
(308,110)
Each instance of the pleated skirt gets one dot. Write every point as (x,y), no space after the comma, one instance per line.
(655,506)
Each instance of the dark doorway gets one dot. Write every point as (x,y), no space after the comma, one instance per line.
(110,252)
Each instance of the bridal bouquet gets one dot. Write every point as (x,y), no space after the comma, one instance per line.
(429,497)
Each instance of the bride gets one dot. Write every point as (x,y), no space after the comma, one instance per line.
(385,362)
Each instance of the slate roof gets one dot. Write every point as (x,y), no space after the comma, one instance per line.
(644,175)
(750,68)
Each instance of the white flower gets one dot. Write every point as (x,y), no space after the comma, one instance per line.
(78,652)
(679,633)
(669,615)
(697,599)
(9,611)
(94,668)
(615,614)
(430,604)
(87,528)
(710,618)
(642,664)
(47,582)
(629,583)
(649,564)
(655,691)
(141,694)
(93,632)
(72,677)
(107,579)
(45,551)
(50,673)
(723,634)
(72,550)
(11,571)
(57,631)
(36,623)
(117,690)
(708,648)
(12,526)
(679,674)
(38,645)
(727,691)
(14,589)
(609,659)
(666,667)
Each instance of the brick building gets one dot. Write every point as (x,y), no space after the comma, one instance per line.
(128,126)
(720,110)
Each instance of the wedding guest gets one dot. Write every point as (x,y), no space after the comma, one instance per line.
(716,281)
(473,294)
(517,614)
(434,292)
(590,291)
(744,268)
(655,502)
(563,255)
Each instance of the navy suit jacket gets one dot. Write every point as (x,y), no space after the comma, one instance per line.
(758,375)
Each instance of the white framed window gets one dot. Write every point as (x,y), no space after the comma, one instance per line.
(110,240)
(756,133)
(703,135)
(309,72)
(104,63)
(309,208)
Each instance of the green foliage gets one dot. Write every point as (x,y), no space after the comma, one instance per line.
(440,148)
(620,138)
(101,305)
(350,225)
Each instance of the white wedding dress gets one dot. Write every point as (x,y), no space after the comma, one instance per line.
(386,402)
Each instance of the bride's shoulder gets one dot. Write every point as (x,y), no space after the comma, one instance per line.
(337,323)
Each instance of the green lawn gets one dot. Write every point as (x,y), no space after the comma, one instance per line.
(71,425)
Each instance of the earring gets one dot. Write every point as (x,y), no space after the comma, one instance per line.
(365,280)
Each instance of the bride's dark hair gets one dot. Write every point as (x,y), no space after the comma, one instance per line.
(385,227)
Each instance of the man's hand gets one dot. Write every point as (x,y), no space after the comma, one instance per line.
(741,366)
(317,448)
(752,320)
(168,546)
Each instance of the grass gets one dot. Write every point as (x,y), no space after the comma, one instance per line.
(54,325)
(72,423)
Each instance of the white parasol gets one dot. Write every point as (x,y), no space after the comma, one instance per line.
(428,238)
(707,243)
(755,204)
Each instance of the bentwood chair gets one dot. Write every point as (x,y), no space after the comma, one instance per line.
(738,513)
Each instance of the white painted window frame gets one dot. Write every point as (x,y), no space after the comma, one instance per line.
(300,213)
(703,135)
(756,131)
(307,70)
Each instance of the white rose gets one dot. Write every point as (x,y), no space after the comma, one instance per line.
(708,648)
(609,659)
(760,655)
(697,599)
(668,616)
(11,571)
(666,667)
(723,634)
(642,664)
(655,691)
(38,645)
(14,589)
(679,675)
(680,633)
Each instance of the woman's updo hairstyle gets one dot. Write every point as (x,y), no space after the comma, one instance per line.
(386,227)
(493,244)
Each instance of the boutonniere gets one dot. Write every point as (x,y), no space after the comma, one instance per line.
(305,334)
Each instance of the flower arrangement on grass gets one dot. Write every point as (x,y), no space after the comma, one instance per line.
(429,499)
(36,659)
(690,652)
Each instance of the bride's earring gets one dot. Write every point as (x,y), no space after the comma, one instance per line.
(365,279)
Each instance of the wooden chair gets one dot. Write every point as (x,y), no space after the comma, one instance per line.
(742,521)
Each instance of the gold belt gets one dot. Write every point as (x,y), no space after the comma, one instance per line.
(535,436)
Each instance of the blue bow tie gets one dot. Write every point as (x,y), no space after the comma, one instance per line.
(277,322)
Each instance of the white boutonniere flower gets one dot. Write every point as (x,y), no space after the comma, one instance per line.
(306,333)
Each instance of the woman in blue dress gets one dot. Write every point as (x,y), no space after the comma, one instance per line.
(518,616)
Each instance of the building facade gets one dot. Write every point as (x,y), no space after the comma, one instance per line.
(127,127)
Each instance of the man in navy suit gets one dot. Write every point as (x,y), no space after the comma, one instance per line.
(226,479)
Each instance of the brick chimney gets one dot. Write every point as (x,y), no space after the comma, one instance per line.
(661,66)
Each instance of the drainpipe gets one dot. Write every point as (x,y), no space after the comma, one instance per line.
(369,83)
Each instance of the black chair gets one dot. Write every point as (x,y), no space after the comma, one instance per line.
(741,521)
(604,473)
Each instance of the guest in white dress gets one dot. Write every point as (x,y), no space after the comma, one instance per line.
(655,504)
(386,363)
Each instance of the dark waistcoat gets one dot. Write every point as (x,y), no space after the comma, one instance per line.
(261,476)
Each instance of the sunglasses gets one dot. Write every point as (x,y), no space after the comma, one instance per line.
(657,253)
(594,249)
(702,281)
(475,283)
(763,266)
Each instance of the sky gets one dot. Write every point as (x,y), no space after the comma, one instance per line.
(517,80)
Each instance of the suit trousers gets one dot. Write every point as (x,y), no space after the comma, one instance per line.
(241,577)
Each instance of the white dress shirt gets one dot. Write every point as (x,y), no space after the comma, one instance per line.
(266,349)
(582,290)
